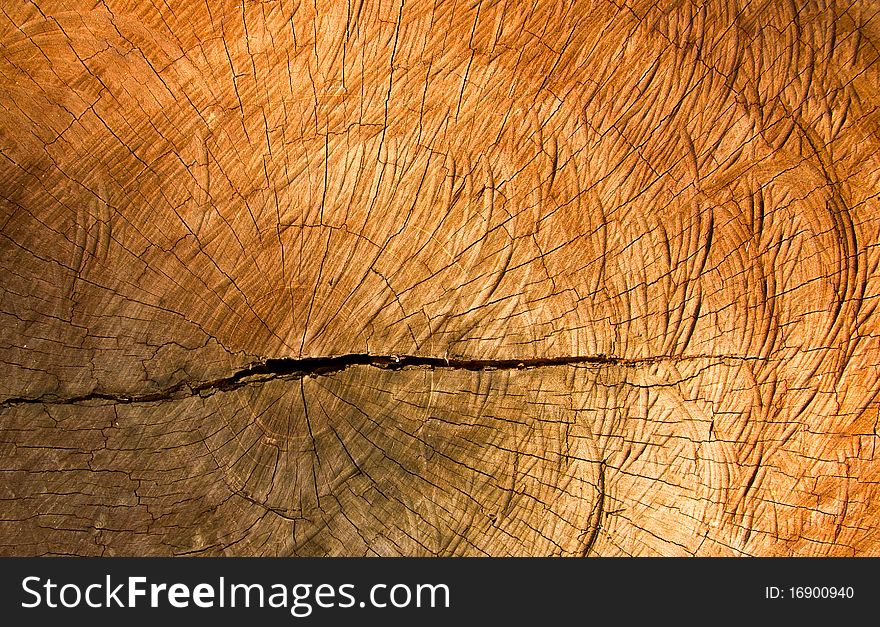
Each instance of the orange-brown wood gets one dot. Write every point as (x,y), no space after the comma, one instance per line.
(437,277)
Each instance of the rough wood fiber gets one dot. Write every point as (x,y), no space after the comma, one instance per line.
(483,278)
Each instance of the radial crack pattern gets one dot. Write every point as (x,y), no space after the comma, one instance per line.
(438,277)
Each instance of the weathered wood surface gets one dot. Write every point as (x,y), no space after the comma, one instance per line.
(577,278)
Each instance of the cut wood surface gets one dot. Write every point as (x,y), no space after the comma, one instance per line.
(439,278)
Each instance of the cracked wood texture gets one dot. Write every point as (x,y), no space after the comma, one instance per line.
(437,277)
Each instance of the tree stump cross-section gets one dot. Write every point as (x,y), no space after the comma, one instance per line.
(439,278)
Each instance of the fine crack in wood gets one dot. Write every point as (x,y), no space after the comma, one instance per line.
(291,369)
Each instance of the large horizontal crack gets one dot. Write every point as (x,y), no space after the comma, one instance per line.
(297,368)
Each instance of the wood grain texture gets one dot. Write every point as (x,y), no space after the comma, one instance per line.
(439,278)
